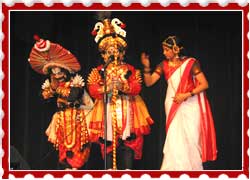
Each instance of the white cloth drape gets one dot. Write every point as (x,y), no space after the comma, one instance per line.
(120,102)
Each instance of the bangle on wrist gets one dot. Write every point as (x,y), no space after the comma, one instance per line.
(147,70)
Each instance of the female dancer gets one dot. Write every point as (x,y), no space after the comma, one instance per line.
(190,135)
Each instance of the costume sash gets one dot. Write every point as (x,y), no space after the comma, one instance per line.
(208,136)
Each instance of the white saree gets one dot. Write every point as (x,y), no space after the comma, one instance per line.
(182,148)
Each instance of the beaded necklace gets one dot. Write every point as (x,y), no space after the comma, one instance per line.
(171,64)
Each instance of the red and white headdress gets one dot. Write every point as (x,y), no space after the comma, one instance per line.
(45,55)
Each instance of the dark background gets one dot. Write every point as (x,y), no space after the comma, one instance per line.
(214,38)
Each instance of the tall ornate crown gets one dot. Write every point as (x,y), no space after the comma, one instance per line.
(109,32)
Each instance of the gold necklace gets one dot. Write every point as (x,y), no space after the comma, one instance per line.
(174,64)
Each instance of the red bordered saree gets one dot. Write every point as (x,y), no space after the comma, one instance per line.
(190,134)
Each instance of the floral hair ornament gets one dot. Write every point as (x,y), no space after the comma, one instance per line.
(109,33)
(46,55)
(176,49)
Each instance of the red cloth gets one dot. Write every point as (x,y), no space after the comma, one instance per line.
(135,86)
(79,157)
(134,89)
(208,138)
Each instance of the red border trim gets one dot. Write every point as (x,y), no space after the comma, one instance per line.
(5,84)
(245,89)
(115,6)
(133,6)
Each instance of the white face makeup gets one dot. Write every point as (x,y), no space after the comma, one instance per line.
(56,70)
(58,74)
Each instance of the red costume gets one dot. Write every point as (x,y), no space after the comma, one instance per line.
(132,107)
(68,129)
(127,116)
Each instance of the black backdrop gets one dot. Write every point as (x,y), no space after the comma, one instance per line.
(214,38)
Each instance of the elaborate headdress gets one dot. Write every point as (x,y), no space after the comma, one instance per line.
(171,43)
(45,55)
(107,33)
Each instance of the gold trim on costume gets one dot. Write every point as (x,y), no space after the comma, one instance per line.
(94,77)
(138,76)
(109,41)
(69,127)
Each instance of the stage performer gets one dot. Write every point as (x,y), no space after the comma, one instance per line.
(68,128)
(190,134)
(127,116)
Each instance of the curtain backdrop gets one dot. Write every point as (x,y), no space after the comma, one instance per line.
(214,38)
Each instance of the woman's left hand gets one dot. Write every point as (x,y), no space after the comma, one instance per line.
(180,97)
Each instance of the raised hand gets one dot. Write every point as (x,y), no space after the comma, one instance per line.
(54,82)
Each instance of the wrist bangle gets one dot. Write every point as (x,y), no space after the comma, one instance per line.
(192,94)
(147,70)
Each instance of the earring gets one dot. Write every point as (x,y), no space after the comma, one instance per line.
(176,49)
